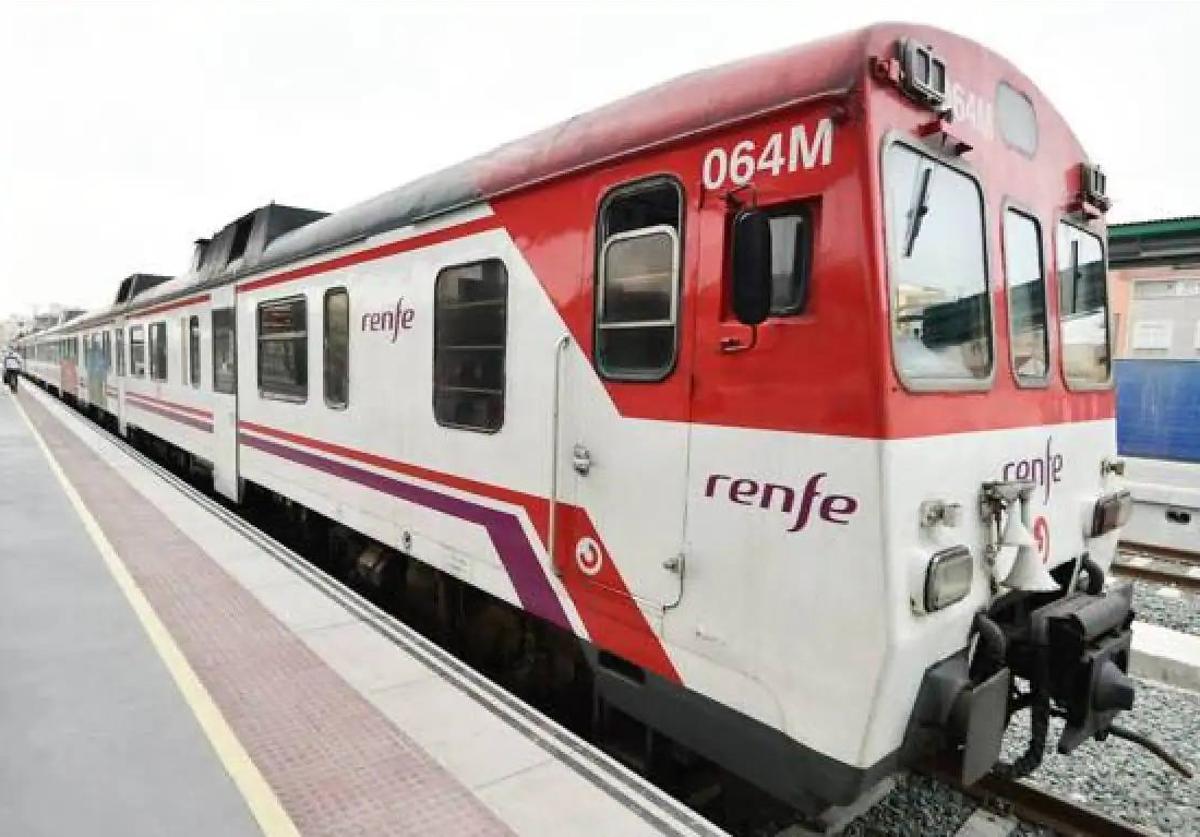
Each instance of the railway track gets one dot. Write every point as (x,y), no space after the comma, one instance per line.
(1168,566)
(1063,816)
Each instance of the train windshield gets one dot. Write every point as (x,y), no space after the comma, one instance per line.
(1083,306)
(941,314)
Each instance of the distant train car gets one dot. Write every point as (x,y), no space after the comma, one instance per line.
(1158,434)
(780,394)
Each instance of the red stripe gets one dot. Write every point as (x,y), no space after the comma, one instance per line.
(612,618)
(372,253)
(537,507)
(168,306)
(199,424)
(205,414)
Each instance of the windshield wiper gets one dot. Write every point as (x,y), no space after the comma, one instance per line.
(917,212)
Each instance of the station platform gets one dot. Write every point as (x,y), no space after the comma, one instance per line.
(166,668)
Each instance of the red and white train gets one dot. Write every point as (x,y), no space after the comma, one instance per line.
(784,387)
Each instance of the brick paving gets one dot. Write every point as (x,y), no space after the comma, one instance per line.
(336,763)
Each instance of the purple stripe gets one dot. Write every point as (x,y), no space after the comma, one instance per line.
(196,423)
(508,537)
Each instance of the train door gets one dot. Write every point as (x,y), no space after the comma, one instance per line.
(626,402)
(222,332)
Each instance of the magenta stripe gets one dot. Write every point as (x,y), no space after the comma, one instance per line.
(188,420)
(508,537)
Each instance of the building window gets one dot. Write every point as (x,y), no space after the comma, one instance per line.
(470,325)
(337,348)
(193,344)
(637,295)
(283,349)
(224,331)
(137,351)
(1082,307)
(158,351)
(1026,280)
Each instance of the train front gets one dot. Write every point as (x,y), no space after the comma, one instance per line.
(1001,485)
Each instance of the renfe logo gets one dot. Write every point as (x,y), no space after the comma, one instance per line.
(834,508)
(1040,470)
(390,321)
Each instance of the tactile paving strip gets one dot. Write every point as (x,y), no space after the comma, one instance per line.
(337,765)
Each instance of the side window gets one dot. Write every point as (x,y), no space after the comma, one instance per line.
(137,351)
(193,351)
(120,344)
(1026,280)
(224,332)
(1082,307)
(283,349)
(158,351)
(791,259)
(470,332)
(337,348)
(637,292)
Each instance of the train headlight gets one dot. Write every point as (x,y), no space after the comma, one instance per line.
(948,578)
(1111,512)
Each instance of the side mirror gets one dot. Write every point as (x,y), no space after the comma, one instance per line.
(752,267)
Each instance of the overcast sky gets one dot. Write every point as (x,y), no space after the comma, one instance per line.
(129,129)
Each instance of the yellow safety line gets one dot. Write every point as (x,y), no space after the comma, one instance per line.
(263,804)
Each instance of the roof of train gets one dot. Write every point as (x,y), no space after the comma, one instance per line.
(696,103)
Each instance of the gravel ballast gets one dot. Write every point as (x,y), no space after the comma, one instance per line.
(1170,607)
(1120,778)
(1114,777)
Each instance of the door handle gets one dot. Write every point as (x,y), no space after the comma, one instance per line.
(581,460)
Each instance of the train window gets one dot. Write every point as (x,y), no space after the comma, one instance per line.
(1026,280)
(137,352)
(120,347)
(791,259)
(283,349)
(1083,307)
(106,343)
(224,331)
(637,295)
(158,351)
(193,344)
(337,348)
(941,313)
(470,333)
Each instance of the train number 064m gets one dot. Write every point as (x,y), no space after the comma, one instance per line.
(739,164)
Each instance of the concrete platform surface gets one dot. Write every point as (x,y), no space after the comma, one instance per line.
(95,738)
(357,724)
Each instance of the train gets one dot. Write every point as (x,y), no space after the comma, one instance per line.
(773,403)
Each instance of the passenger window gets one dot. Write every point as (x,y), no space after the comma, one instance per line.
(193,344)
(337,348)
(470,332)
(283,349)
(1083,307)
(120,342)
(224,331)
(637,304)
(137,352)
(941,313)
(1026,280)
(158,351)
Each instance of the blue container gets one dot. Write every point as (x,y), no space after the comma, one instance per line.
(1158,409)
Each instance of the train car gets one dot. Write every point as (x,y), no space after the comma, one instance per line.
(780,393)
(1158,400)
